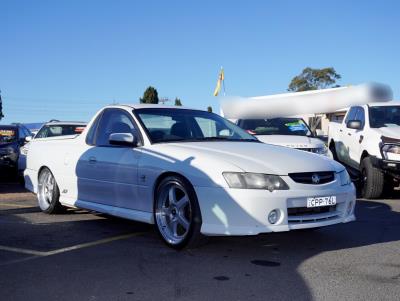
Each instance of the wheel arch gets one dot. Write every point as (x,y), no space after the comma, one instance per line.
(41,169)
(162,176)
(364,155)
(51,171)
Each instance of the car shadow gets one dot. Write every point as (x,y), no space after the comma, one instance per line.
(253,267)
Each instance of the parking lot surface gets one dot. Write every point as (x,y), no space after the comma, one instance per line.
(80,255)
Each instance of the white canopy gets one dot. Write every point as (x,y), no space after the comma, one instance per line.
(309,102)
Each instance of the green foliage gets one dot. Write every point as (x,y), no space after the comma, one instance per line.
(314,79)
(1,108)
(150,96)
(209,109)
(178,102)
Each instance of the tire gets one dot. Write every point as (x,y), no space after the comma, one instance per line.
(372,180)
(332,148)
(48,193)
(177,213)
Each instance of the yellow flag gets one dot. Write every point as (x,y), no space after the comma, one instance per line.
(221,77)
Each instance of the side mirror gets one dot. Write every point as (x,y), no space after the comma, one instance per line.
(354,124)
(123,139)
(28,138)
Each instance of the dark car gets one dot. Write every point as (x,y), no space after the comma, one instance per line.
(12,137)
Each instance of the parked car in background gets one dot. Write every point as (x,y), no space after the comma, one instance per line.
(189,172)
(34,127)
(12,138)
(289,132)
(368,143)
(53,128)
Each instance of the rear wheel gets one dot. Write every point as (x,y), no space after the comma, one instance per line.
(177,214)
(48,193)
(372,180)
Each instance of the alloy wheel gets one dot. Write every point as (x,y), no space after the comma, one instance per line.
(173,212)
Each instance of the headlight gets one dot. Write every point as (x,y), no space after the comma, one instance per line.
(323,150)
(344,178)
(254,181)
(390,148)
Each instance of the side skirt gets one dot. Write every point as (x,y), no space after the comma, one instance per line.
(136,215)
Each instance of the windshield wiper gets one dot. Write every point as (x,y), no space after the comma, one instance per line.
(226,139)
(206,139)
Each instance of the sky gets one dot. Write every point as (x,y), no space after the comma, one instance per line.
(67,59)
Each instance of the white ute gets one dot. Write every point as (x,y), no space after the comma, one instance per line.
(368,141)
(189,172)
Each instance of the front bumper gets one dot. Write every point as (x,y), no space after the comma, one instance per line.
(227,211)
(387,165)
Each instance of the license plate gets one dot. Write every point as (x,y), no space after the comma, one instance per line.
(321,201)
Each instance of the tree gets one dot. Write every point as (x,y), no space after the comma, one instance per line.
(150,96)
(314,79)
(209,109)
(1,107)
(178,102)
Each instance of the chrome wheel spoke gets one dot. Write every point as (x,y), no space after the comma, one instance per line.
(174,227)
(183,222)
(172,195)
(182,202)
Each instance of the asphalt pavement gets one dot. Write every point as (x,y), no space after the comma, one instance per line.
(81,255)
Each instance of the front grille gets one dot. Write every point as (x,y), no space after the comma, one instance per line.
(307,211)
(313,178)
(301,215)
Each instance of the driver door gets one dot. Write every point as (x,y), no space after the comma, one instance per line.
(355,138)
(108,174)
(345,137)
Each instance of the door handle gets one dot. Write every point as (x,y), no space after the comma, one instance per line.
(340,130)
(92,160)
(349,134)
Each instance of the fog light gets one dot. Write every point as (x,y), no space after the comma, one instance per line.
(349,207)
(273,216)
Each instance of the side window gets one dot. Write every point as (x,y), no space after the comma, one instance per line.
(90,137)
(361,116)
(43,132)
(114,121)
(352,114)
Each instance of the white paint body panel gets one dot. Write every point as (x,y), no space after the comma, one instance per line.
(122,180)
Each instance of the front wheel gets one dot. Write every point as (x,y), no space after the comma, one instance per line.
(177,214)
(372,180)
(48,193)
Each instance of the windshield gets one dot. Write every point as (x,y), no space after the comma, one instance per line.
(60,130)
(168,125)
(384,116)
(7,135)
(276,126)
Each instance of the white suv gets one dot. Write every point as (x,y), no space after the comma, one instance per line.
(368,141)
